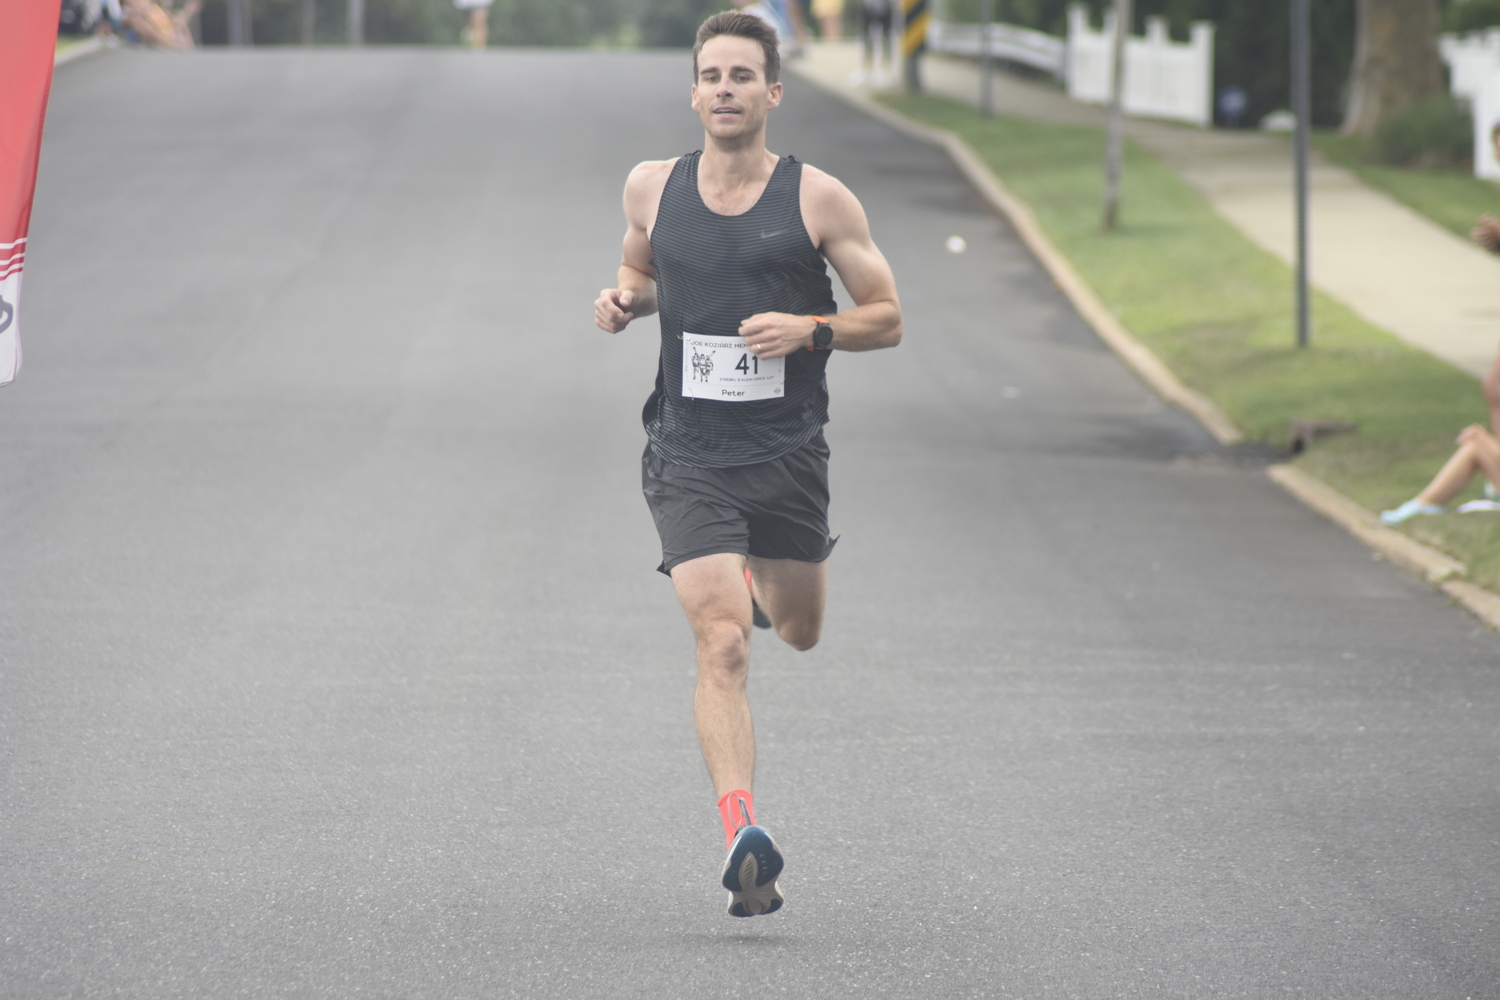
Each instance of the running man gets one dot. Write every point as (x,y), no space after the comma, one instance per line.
(729,244)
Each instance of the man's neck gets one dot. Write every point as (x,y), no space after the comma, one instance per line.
(728,167)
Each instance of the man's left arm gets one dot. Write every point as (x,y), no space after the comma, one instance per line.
(836,222)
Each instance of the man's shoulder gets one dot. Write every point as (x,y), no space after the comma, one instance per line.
(820,186)
(827,205)
(643,189)
(650,174)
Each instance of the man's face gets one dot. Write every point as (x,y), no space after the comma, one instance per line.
(731,94)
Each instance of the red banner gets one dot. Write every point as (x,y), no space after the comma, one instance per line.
(28,44)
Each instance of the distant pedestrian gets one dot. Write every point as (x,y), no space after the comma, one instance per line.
(830,15)
(158,27)
(109,18)
(875,25)
(478,28)
(774,14)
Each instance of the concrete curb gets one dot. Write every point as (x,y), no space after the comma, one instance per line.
(1136,355)
(1442,571)
(1430,564)
(86,47)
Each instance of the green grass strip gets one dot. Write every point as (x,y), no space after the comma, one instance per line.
(1218,310)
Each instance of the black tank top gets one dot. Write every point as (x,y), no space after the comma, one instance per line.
(712,272)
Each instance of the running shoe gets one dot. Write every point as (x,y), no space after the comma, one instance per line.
(1489,491)
(1478,505)
(750,873)
(1411,508)
(756,614)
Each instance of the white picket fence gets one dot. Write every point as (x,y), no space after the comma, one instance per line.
(1471,60)
(1163,78)
(1474,74)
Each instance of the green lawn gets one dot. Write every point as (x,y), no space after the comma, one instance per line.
(1451,198)
(1218,311)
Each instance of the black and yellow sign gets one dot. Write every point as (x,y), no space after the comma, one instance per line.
(917,17)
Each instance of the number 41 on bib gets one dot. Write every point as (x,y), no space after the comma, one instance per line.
(723,368)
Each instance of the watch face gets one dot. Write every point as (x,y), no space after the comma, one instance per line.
(822,335)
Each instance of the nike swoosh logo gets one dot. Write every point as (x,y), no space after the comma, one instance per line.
(765,235)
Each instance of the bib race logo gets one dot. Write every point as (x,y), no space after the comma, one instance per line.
(703,366)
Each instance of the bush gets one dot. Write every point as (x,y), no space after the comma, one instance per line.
(1471,15)
(423,22)
(673,24)
(1437,132)
(278,22)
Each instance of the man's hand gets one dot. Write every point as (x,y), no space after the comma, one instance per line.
(775,335)
(1486,233)
(613,309)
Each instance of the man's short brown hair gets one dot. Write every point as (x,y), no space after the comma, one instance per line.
(732,22)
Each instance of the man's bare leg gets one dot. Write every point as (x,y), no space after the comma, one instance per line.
(713,595)
(792,594)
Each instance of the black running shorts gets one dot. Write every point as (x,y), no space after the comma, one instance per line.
(773,510)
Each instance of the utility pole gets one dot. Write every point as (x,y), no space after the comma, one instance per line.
(1302,108)
(356,14)
(1114,140)
(986,63)
(237,13)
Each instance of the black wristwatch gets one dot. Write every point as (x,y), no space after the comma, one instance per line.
(822,335)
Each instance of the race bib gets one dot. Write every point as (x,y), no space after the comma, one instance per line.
(723,368)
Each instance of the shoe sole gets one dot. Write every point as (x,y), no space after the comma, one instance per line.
(750,874)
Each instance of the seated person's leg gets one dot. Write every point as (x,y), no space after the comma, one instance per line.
(1473,442)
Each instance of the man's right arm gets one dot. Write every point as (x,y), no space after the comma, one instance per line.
(635,291)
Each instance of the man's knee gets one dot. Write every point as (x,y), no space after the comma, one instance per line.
(800,634)
(723,645)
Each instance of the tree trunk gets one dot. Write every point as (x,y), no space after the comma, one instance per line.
(1396,61)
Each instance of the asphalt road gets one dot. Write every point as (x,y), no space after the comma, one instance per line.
(334,663)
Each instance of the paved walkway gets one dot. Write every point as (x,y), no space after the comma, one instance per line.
(1390,265)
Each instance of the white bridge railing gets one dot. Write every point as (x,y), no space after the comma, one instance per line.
(1007,41)
(1163,78)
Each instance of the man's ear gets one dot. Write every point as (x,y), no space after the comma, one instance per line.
(775,94)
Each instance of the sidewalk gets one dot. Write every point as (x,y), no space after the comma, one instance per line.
(1390,265)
